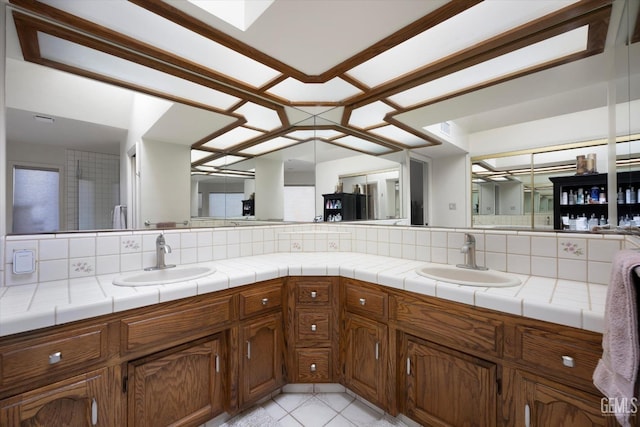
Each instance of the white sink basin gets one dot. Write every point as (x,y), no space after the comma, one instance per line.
(162,277)
(468,277)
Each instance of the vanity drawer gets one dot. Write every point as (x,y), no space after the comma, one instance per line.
(455,326)
(53,353)
(313,292)
(313,325)
(173,325)
(365,300)
(559,353)
(313,365)
(261,298)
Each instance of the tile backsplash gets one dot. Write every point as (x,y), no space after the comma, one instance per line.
(575,257)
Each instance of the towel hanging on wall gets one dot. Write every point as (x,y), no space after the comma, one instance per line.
(120,217)
(617,371)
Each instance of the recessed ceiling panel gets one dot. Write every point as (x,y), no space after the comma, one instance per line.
(233,137)
(553,48)
(135,22)
(259,117)
(396,134)
(239,13)
(224,161)
(271,145)
(334,90)
(199,155)
(63,51)
(360,144)
(369,115)
(481,22)
(315,133)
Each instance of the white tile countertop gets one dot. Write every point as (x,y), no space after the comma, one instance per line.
(29,307)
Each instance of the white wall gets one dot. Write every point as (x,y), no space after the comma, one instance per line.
(449,186)
(165,182)
(145,111)
(269,200)
(511,198)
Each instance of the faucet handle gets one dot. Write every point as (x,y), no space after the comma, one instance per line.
(469,238)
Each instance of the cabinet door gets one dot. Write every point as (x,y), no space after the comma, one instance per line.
(366,358)
(448,388)
(179,387)
(79,401)
(549,404)
(262,358)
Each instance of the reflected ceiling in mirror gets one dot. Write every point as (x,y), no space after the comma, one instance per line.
(183,53)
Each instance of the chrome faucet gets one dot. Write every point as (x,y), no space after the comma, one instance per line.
(469,251)
(161,249)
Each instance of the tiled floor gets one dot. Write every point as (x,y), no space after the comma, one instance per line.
(312,409)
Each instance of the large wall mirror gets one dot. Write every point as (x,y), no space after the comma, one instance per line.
(110,157)
(206,124)
(576,165)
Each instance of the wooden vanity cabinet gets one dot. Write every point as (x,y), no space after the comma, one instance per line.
(182,386)
(444,387)
(364,341)
(553,382)
(82,400)
(261,342)
(185,361)
(542,402)
(312,329)
(444,378)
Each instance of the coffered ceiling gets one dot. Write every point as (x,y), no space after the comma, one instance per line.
(368,75)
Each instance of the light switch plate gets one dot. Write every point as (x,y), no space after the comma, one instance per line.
(24,261)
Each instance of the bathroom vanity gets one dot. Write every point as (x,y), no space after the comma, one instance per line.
(185,361)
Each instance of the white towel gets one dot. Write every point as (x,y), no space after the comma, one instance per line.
(119,217)
(617,370)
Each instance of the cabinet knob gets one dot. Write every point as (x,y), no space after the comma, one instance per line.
(568,361)
(55,358)
(313,367)
(314,327)
(363,301)
(265,301)
(314,294)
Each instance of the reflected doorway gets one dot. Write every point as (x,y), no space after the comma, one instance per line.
(418,189)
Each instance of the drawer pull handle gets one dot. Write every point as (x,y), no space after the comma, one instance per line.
(55,358)
(363,301)
(314,294)
(568,361)
(248,350)
(265,301)
(314,328)
(313,367)
(217,363)
(378,350)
